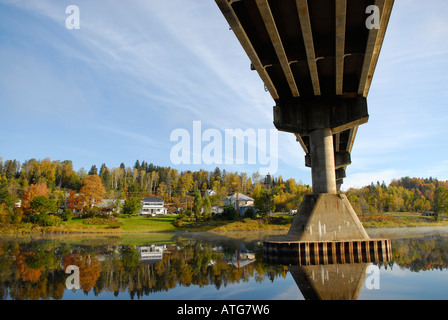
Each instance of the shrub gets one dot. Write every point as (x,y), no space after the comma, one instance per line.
(179,222)
(44,219)
(90,212)
(229,213)
(43,205)
(110,222)
(250,213)
(51,220)
(66,215)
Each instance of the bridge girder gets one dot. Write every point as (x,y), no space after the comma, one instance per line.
(316,58)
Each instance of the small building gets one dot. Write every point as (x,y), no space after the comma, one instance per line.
(217,210)
(428,214)
(209,193)
(110,206)
(240,202)
(153,206)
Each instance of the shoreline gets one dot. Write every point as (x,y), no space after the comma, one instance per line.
(238,226)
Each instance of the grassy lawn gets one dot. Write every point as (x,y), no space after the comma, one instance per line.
(141,224)
(400,219)
(149,224)
(128,224)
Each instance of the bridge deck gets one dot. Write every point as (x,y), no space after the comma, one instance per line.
(309,49)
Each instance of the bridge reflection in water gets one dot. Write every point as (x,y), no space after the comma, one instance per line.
(330,282)
(333,270)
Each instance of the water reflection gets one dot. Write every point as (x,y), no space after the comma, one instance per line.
(35,268)
(331,281)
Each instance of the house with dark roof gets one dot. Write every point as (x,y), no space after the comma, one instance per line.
(153,206)
(240,202)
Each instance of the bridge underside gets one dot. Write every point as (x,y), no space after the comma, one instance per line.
(317,59)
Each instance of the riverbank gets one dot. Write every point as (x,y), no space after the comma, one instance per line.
(168,223)
(401,219)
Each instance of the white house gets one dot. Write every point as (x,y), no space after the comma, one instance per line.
(240,202)
(153,206)
(209,193)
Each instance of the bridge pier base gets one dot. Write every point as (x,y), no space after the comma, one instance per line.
(325,218)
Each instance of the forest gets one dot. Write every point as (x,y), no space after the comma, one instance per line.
(45,185)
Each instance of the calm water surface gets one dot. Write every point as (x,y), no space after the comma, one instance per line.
(204,266)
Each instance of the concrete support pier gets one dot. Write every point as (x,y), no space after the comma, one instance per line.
(326,224)
(322,159)
(326,217)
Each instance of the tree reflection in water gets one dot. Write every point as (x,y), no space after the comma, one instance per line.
(34,269)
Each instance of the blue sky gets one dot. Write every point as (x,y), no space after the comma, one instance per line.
(114,90)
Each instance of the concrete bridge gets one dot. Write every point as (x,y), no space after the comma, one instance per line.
(317,60)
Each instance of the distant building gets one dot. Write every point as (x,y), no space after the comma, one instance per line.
(153,206)
(240,202)
(428,214)
(110,206)
(209,193)
(217,210)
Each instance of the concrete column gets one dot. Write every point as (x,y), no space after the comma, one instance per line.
(322,161)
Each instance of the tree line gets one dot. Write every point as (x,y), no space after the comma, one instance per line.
(401,195)
(43,185)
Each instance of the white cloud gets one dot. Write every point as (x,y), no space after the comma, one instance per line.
(362,179)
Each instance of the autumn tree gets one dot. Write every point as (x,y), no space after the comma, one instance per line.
(31,192)
(93,189)
(74,201)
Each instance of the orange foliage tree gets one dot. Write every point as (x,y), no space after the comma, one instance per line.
(93,189)
(75,201)
(33,191)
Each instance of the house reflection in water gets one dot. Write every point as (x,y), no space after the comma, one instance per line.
(151,254)
(241,257)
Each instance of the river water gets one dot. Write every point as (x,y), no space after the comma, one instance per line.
(206,266)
